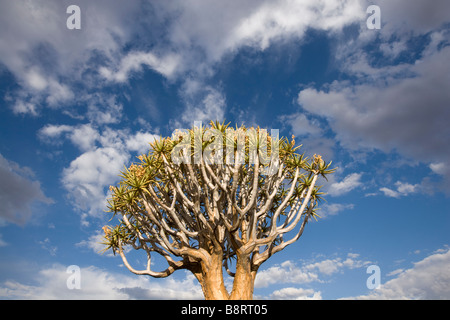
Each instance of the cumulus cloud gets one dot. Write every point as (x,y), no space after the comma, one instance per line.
(99,284)
(83,136)
(104,152)
(330,266)
(402,189)
(428,279)
(19,192)
(205,33)
(196,37)
(139,142)
(88,176)
(301,125)
(296,294)
(46,58)
(393,108)
(288,271)
(350,182)
(222,28)
(389,117)
(291,273)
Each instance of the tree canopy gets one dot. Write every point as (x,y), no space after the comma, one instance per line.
(208,198)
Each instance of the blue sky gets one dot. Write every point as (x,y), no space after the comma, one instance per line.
(77,105)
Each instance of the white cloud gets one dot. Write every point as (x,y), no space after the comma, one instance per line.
(219,29)
(99,284)
(330,266)
(46,58)
(134,61)
(427,279)
(94,243)
(287,272)
(203,104)
(439,168)
(291,273)
(83,136)
(90,174)
(296,294)
(301,125)
(275,20)
(395,272)
(104,154)
(350,182)
(390,193)
(19,192)
(22,107)
(203,33)
(140,142)
(103,109)
(50,60)
(58,94)
(35,80)
(384,108)
(389,114)
(332,209)
(403,189)
(392,50)
(51,131)
(406,188)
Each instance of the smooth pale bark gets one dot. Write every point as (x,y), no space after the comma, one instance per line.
(244,279)
(210,277)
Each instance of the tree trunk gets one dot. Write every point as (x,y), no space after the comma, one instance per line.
(244,279)
(211,279)
(210,276)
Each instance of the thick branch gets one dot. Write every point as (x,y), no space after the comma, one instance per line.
(173,265)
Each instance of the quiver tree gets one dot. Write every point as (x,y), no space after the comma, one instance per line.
(206,199)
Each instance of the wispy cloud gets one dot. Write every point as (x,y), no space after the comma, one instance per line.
(47,245)
(332,209)
(134,61)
